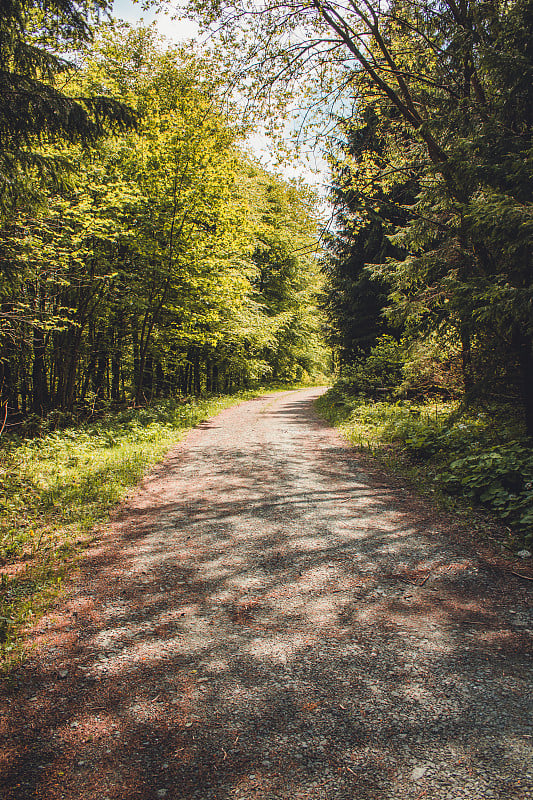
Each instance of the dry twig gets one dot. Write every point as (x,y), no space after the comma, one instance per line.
(525,577)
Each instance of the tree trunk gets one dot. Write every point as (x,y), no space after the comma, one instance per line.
(148,377)
(24,390)
(8,378)
(197,384)
(70,386)
(159,379)
(99,378)
(67,365)
(189,383)
(525,355)
(40,396)
(115,375)
(466,355)
(88,377)
(116,336)
(136,360)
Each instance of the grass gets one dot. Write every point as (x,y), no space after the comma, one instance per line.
(469,461)
(56,487)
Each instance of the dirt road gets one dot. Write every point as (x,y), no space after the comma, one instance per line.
(265,619)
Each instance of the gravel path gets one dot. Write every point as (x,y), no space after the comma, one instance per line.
(267,619)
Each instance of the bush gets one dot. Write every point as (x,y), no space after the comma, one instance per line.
(432,368)
(403,369)
(379,373)
(499,478)
(471,465)
(479,458)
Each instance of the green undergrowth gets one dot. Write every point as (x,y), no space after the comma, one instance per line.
(467,459)
(55,487)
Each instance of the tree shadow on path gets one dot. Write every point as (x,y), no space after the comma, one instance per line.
(265,620)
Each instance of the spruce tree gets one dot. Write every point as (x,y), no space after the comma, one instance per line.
(34,108)
(355,299)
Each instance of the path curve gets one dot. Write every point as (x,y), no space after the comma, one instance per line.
(265,620)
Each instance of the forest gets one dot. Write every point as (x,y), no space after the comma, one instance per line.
(150,263)
(144,253)
(425,111)
(429,270)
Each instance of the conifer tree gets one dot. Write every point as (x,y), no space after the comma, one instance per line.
(356,299)
(34,108)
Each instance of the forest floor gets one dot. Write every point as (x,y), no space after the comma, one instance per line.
(270,617)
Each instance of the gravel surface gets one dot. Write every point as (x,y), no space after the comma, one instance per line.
(269,618)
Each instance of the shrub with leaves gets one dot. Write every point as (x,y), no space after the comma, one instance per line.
(378,373)
(500,478)
(481,458)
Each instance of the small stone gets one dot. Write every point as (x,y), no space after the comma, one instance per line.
(418,773)
(162,792)
(524,554)
(63,673)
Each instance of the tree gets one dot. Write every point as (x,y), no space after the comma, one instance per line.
(286,279)
(355,298)
(456,78)
(34,111)
(138,279)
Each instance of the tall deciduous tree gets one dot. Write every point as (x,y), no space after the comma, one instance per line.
(140,278)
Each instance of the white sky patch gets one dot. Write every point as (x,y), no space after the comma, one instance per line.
(176,30)
(308,164)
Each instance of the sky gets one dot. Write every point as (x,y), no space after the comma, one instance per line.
(312,170)
(174,30)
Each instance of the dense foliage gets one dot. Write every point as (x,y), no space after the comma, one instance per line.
(34,107)
(473,460)
(433,177)
(453,204)
(169,262)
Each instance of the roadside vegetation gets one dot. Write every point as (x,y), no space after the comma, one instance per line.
(467,459)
